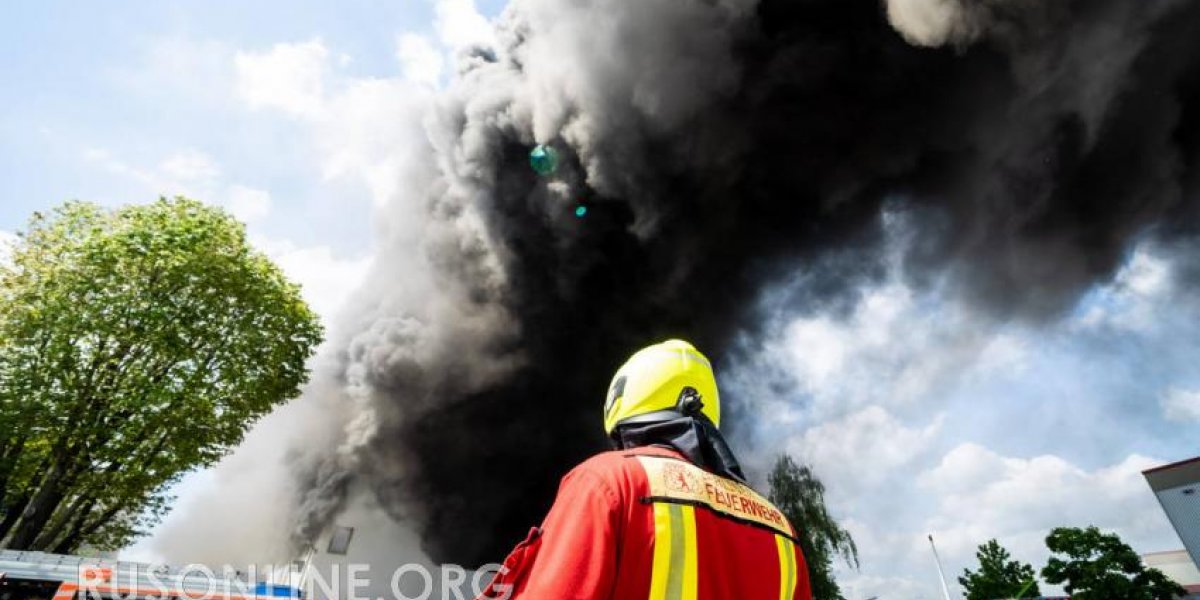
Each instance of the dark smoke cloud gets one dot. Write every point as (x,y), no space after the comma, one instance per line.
(723,146)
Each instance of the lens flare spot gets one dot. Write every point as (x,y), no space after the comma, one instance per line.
(543,159)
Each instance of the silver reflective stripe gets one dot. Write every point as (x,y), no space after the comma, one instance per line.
(678,551)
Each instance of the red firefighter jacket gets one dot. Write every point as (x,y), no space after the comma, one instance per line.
(646,524)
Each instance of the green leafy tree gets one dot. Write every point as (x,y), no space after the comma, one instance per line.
(797,492)
(999,576)
(1096,565)
(136,344)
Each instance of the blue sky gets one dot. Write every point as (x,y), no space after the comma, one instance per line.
(140,82)
(288,114)
(119,103)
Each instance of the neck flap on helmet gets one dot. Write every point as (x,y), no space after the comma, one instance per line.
(693,435)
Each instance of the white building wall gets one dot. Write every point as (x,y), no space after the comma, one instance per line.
(1176,564)
(1182,505)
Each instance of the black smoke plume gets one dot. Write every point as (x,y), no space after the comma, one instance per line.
(723,146)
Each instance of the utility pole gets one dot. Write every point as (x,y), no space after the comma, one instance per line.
(941,573)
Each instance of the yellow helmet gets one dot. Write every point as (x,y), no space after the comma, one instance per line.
(655,380)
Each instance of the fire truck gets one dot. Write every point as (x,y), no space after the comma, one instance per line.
(43,576)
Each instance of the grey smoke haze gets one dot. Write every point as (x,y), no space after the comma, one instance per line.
(723,147)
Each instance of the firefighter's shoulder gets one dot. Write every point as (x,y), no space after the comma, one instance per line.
(618,463)
(618,471)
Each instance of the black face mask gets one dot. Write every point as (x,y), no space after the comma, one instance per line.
(696,437)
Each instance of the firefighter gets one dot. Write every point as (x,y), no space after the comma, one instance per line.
(668,514)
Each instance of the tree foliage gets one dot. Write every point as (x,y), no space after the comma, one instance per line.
(999,576)
(135,344)
(797,492)
(1096,565)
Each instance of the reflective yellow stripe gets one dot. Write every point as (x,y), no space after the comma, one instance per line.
(662,550)
(690,571)
(675,573)
(787,567)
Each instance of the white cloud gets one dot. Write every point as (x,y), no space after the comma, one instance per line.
(459,24)
(7,239)
(363,128)
(189,173)
(825,351)
(982,495)
(818,348)
(419,59)
(895,349)
(872,440)
(326,280)
(371,130)
(248,204)
(974,494)
(1134,298)
(1145,275)
(1181,405)
(190,166)
(289,77)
